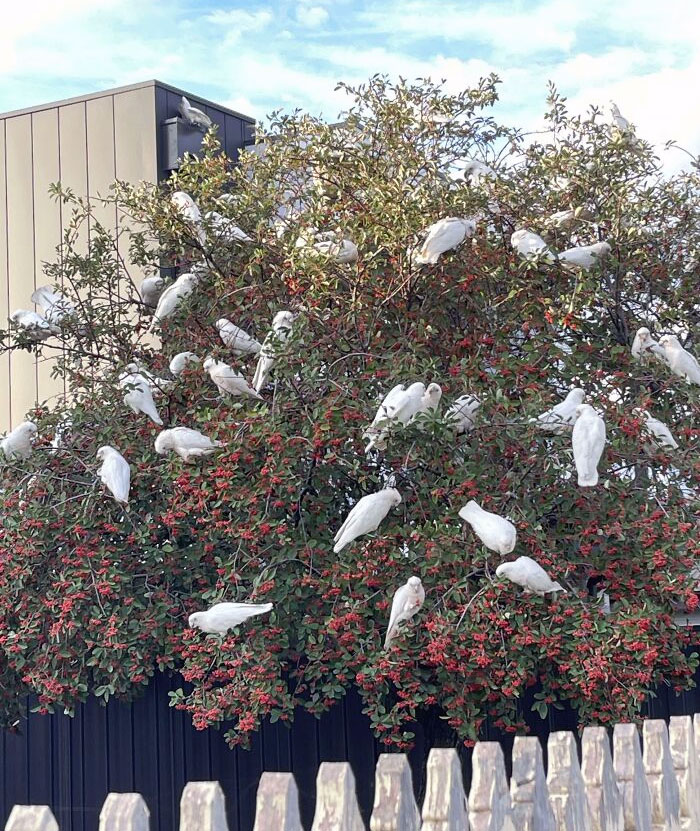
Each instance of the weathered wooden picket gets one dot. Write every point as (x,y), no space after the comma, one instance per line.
(622,790)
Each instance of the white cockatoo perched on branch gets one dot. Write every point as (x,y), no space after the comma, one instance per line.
(158,385)
(442,236)
(276,337)
(17,444)
(584,256)
(530,575)
(530,245)
(682,363)
(462,414)
(588,442)
(138,395)
(495,532)
(189,211)
(55,305)
(561,219)
(224,616)
(657,428)
(236,338)
(225,229)
(181,361)
(398,407)
(645,347)
(194,116)
(330,244)
(407,600)
(366,516)
(35,325)
(228,380)
(187,443)
(62,433)
(114,473)
(618,119)
(171,298)
(429,400)
(476,172)
(185,205)
(150,291)
(561,417)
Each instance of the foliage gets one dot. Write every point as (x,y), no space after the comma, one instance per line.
(94,598)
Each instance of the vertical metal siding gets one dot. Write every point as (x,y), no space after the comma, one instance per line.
(135,135)
(101,170)
(231,132)
(5,405)
(20,260)
(81,145)
(47,227)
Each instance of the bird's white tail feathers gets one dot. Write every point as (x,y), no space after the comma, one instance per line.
(558,588)
(588,480)
(423,259)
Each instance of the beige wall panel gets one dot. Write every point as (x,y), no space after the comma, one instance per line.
(47,230)
(101,157)
(136,135)
(20,245)
(73,150)
(4,357)
(72,137)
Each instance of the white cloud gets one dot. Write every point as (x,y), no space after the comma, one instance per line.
(243,104)
(241,20)
(508,27)
(311,16)
(22,20)
(291,54)
(584,69)
(657,103)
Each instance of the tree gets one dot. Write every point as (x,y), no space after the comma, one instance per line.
(94,597)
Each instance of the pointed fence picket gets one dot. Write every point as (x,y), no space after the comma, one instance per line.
(622,790)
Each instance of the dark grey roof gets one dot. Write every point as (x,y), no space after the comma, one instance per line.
(197,99)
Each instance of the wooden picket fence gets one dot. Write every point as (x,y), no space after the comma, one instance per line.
(622,790)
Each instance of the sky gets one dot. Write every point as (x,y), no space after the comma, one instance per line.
(256,57)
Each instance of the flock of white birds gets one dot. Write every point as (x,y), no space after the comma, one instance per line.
(401,406)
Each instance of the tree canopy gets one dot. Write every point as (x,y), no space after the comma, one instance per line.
(95,595)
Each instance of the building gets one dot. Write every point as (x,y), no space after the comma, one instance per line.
(131,133)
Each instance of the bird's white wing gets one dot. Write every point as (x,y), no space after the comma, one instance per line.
(534,576)
(363,518)
(408,404)
(55,305)
(661,431)
(115,474)
(238,339)
(402,597)
(231,381)
(558,416)
(352,517)
(588,441)
(389,404)
(445,235)
(187,438)
(442,236)
(689,366)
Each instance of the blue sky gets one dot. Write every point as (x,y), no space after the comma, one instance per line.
(257,56)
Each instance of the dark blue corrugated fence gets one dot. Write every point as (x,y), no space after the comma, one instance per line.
(71,764)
